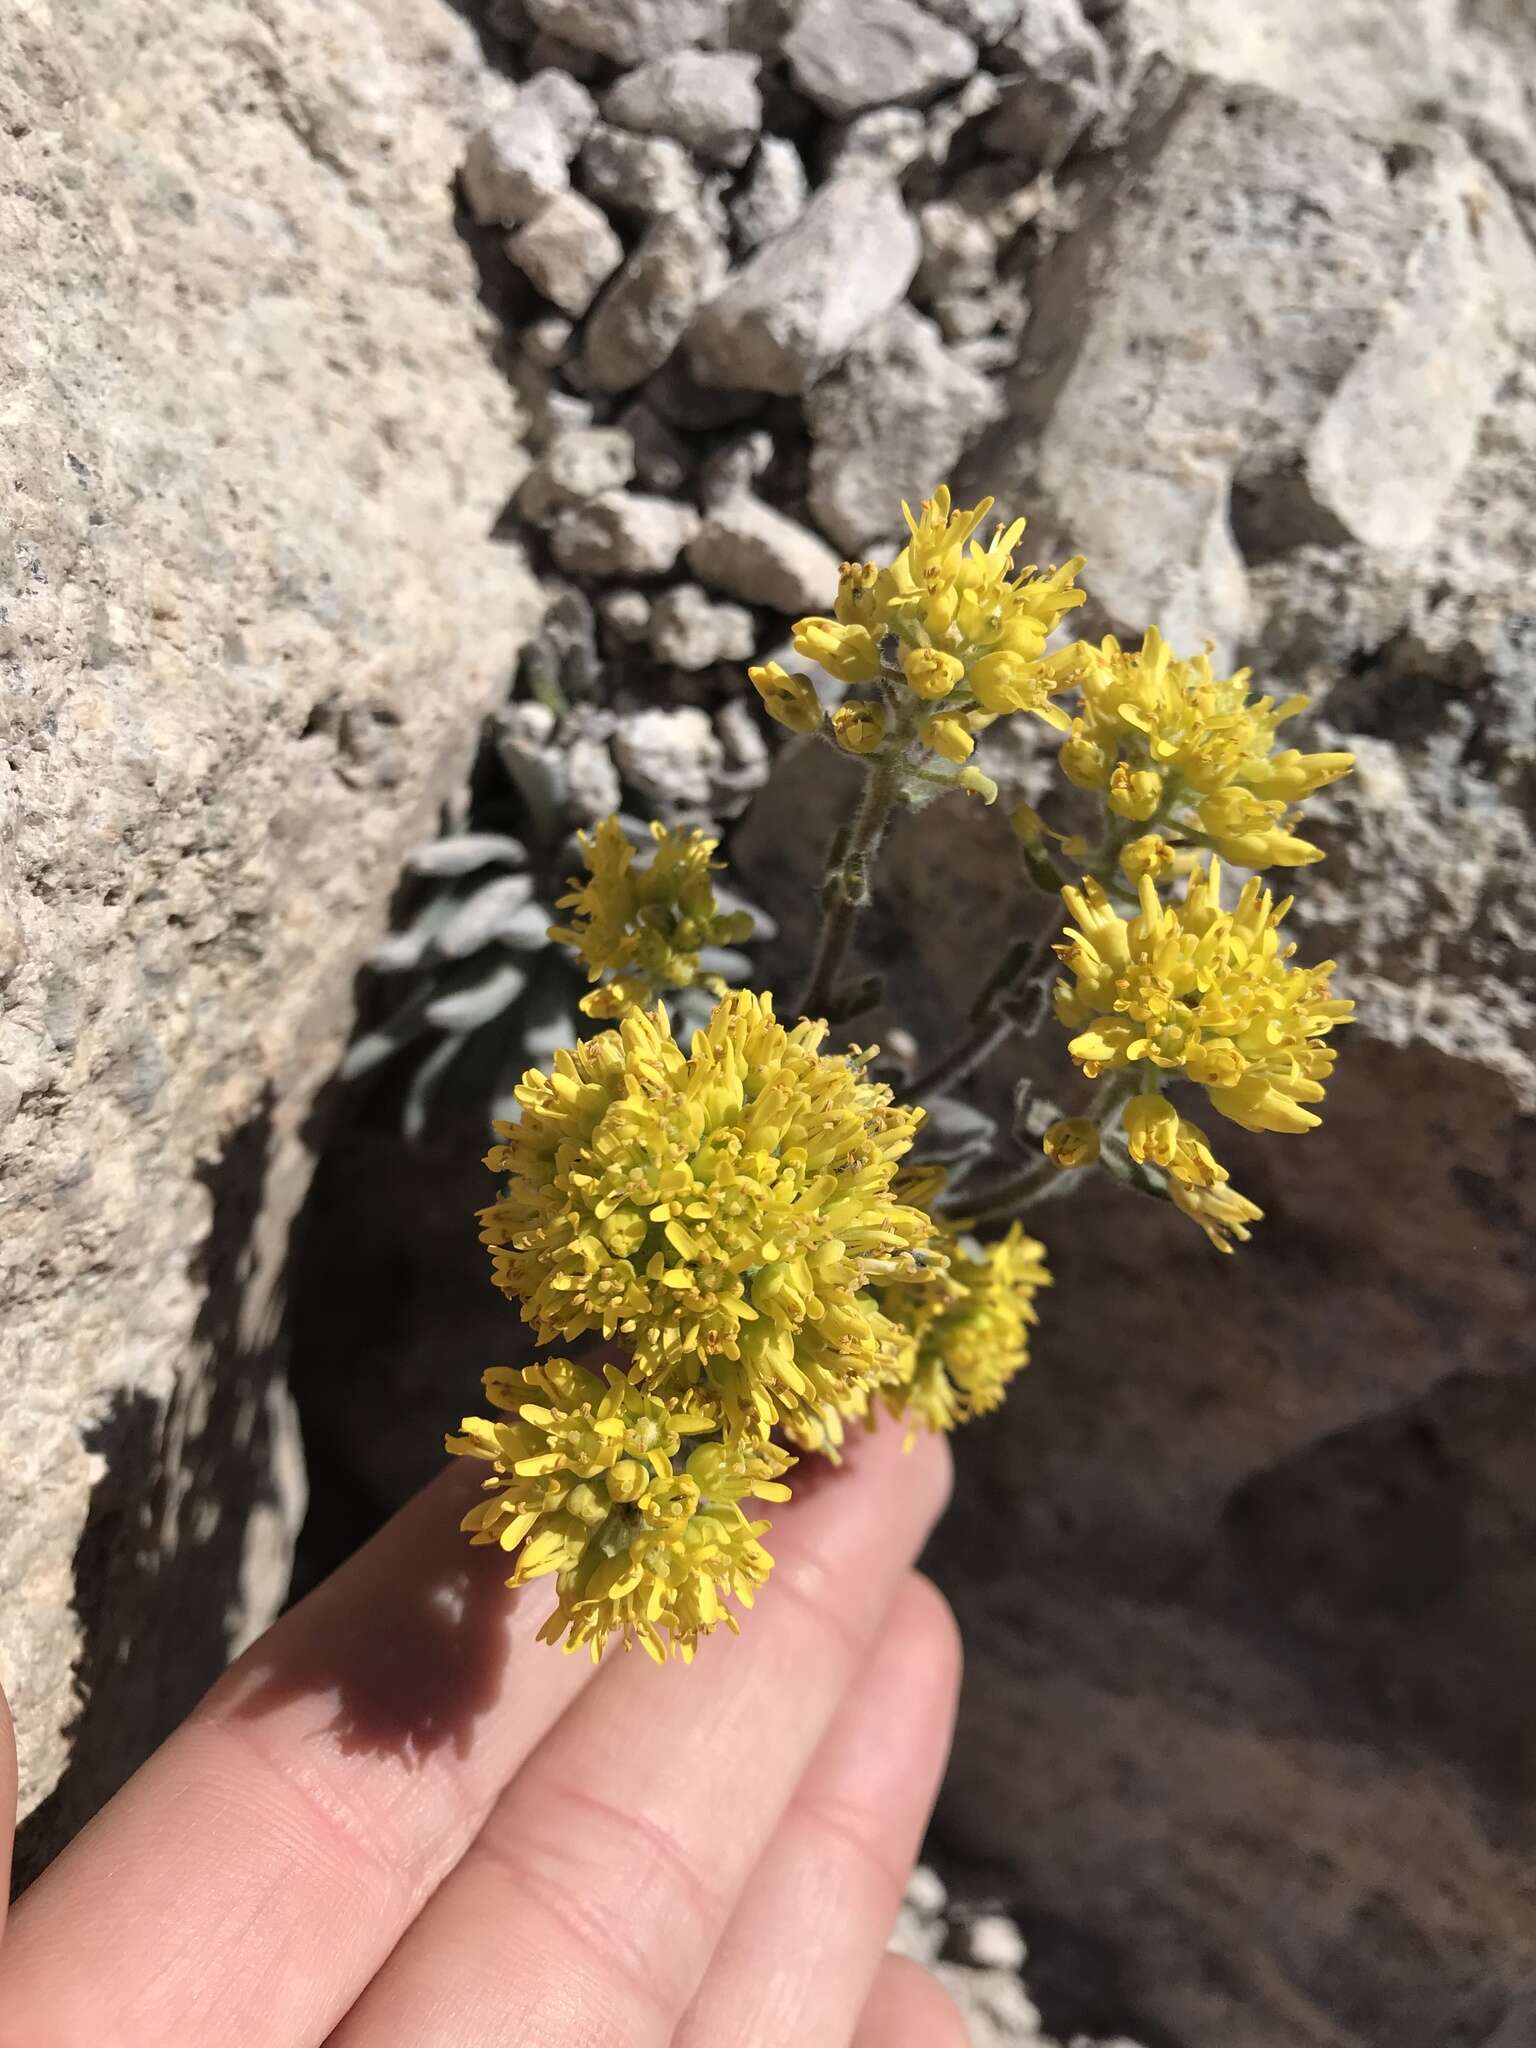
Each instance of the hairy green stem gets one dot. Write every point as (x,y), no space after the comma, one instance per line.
(845,887)
(988,1028)
(1042,1180)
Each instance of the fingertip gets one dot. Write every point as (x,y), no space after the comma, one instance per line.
(909,2008)
(926,1621)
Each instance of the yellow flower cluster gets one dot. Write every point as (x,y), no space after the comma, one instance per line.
(965,1334)
(724,1211)
(632,1502)
(1211,994)
(950,623)
(1168,739)
(646,926)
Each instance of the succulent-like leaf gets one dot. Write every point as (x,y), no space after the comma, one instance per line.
(478,920)
(462,852)
(464,1005)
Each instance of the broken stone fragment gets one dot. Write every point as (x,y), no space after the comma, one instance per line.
(670,757)
(773,195)
(520,161)
(574,468)
(662,462)
(1058,68)
(889,424)
(626,614)
(801,301)
(846,55)
(692,631)
(568,251)
(704,99)
(643,176)
(630,31)
(623,533)
(641,318)
(750,551)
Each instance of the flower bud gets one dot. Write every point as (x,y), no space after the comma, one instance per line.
(627,1480)
(849,653)
(930,672)
(1071,1141)
(1149,855)
(1084,762)
(976,784)
(1135,793)
(949,737)
(859,727)
(1152,1130)
(790,699)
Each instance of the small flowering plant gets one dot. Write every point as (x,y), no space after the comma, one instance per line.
(736,1224)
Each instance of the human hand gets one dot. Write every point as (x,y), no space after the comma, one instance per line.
(399,1822)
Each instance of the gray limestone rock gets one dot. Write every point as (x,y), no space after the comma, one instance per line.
(679,263)
(642,176)
(662,462)
(249,622)
(773,195)
(672,758)
(888,424)
(631,31)
(846,55)
(800,302)
(623,533)
(549,340)
(959,253)
(1059,69)
(747,550)
(692,631)
(984,21)
(569,251)
(706,100)
(1268,345)
(626,613)
(576,467)
(519,162)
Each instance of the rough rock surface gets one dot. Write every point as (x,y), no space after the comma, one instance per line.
(568,251)
(248,622)
(679,262)
(801,300)
(898,412)
(846,55)
(630,31)
(707,100)
(748,550)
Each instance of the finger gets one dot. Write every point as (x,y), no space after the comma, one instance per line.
(801,1952)
(588,1908)
(251,1877)
(909,2008)
(7,1801)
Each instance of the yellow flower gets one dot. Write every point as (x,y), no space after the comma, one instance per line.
(1211,993)
(1221,1212)
(949,737)
(1006,681)
(851,654)
(725,1211)
(1071,1141)
(1083,761)
(974,783)
(1148,712)
(858,727)
(1151,1130)
(1135,793)
(646,926)
(930,672)
(593,1480)
(1027,825)
(966,1334)
(857,600)
(1148,855)
(790,698)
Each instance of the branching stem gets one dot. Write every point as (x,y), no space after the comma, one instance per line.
(845,888)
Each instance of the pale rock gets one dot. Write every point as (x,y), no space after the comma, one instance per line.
(889,424)
(885,142)
(626,614)
(990,1941)
(592,784)
(752,552)
(773,195)
(568,252)
(574,468)
(959,252)
(623,533)
(631,31)
(670,757)
(677,397)
(735,466)
(662,462)
(760,25)
(846,55)
(547,341)
(799,303)
(1059,69)
(706,100)
(556,54)
(679,263)
(253,445)
(553,95)
(514,168)
(984,21)
(643,176)
(692,631)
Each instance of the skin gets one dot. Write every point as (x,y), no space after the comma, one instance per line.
(398,1818)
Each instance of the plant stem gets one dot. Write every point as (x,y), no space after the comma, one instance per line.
(845,889)
(1042,1180)
(987,1030)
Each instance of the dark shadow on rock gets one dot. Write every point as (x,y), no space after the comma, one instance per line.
(158,1567)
